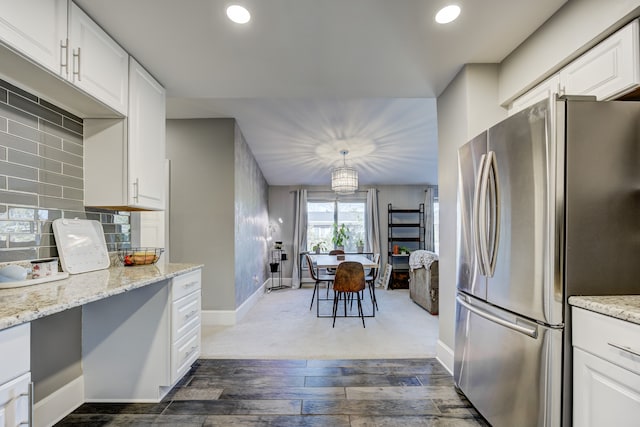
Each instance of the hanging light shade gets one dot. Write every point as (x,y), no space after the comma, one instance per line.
(344,179)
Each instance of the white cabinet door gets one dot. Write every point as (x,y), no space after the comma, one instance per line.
(610,69)
(37,29)
(604,394)
(98,65)
(544,90)
(146,139)
(15,401)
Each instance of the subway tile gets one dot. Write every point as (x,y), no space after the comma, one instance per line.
(47,240)
(120,219)
(17,227)
(3,182)
(45,227)
(22,214)
(18,254)
(4,212)
(18,198)
(23,185)
(17,115)
(71,170)
(72,193)
(58,179)
(72,125)
(3,153)
(4,241)
(93,216)
(18,171)
(57,203)
(22,158)
(18,143)
(48,214)
(74,214)
(17,90)
(60,110)
(73,148)
(34,108)
(3,124)
(34,135)
(22,240)
(50,165)
(60,131)
(3,95)
(55,154)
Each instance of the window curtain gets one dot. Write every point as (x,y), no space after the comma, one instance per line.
(299,235)
(428,219)
(373,222)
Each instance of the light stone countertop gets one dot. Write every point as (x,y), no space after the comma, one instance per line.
(623,307)
(21,305)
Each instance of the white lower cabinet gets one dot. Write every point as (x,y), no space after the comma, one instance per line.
(606,370)
(137,345)
(16,397)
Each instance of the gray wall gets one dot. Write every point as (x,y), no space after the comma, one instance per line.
(468,106)
(202,193)
(251,222)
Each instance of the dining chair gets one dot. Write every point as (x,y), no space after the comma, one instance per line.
(349,280)
(332,271)
(317,278)
(370,279)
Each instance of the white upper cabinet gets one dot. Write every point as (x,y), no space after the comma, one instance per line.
(609,69)
(125,166)
(37,29)
(97,64)
(146,139)
(60,37)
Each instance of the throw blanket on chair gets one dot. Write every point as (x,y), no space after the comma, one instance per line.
(421,258)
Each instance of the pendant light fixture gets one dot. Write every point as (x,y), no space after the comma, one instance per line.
(344,179)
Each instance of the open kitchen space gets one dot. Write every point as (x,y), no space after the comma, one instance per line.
(319,213)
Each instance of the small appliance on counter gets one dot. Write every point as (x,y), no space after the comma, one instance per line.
(81,245)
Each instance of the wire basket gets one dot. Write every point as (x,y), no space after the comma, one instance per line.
(139,256)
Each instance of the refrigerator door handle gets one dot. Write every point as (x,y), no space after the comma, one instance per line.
(475,224)
(530,331)
(492,166)
(482,214)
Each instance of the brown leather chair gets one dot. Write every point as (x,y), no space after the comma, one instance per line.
(349,280)
(318,278)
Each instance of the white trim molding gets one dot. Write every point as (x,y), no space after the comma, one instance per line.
(59,404)
(231,317)
(444,354)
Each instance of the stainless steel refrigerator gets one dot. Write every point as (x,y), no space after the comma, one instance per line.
(548,207)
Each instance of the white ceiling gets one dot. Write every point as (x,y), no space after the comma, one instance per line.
(307,78)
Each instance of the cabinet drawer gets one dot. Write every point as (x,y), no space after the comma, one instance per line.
(184,353)
(15,352)
(14,401)
(185,315)
(186,283)
(606,337)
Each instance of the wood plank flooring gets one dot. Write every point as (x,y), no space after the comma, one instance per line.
(300,393)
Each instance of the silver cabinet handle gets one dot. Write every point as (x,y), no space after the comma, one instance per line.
(190,315)
(475,222)
(190,352)
(64,54)
(76,56)
(529,331)
(625,348)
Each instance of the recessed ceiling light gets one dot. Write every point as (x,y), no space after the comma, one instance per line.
(447,14)
(238,14)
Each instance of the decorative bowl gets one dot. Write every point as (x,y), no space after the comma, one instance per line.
(139,256)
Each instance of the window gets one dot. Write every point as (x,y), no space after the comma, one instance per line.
(323,215)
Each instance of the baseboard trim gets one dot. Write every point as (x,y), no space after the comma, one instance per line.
(444,354)
(59,404)
(231,317)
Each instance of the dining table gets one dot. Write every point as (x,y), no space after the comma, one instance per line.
(332,261)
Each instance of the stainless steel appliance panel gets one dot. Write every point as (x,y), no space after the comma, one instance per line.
(525,261)
(603,198)
(508,366)
(471,158)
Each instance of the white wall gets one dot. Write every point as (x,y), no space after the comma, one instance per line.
(577,26)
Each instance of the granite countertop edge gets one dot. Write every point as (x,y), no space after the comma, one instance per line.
(623,307)
(25,304)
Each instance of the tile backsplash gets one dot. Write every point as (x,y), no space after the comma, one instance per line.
(41,177)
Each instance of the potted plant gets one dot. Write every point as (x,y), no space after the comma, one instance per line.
(340,236)
(319,247)
(405,250)
(360,246)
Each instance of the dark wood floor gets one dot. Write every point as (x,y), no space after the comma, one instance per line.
(282,393)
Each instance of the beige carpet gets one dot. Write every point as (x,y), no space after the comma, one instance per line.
(280,326)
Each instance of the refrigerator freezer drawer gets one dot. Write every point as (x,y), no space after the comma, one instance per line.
(508,367)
